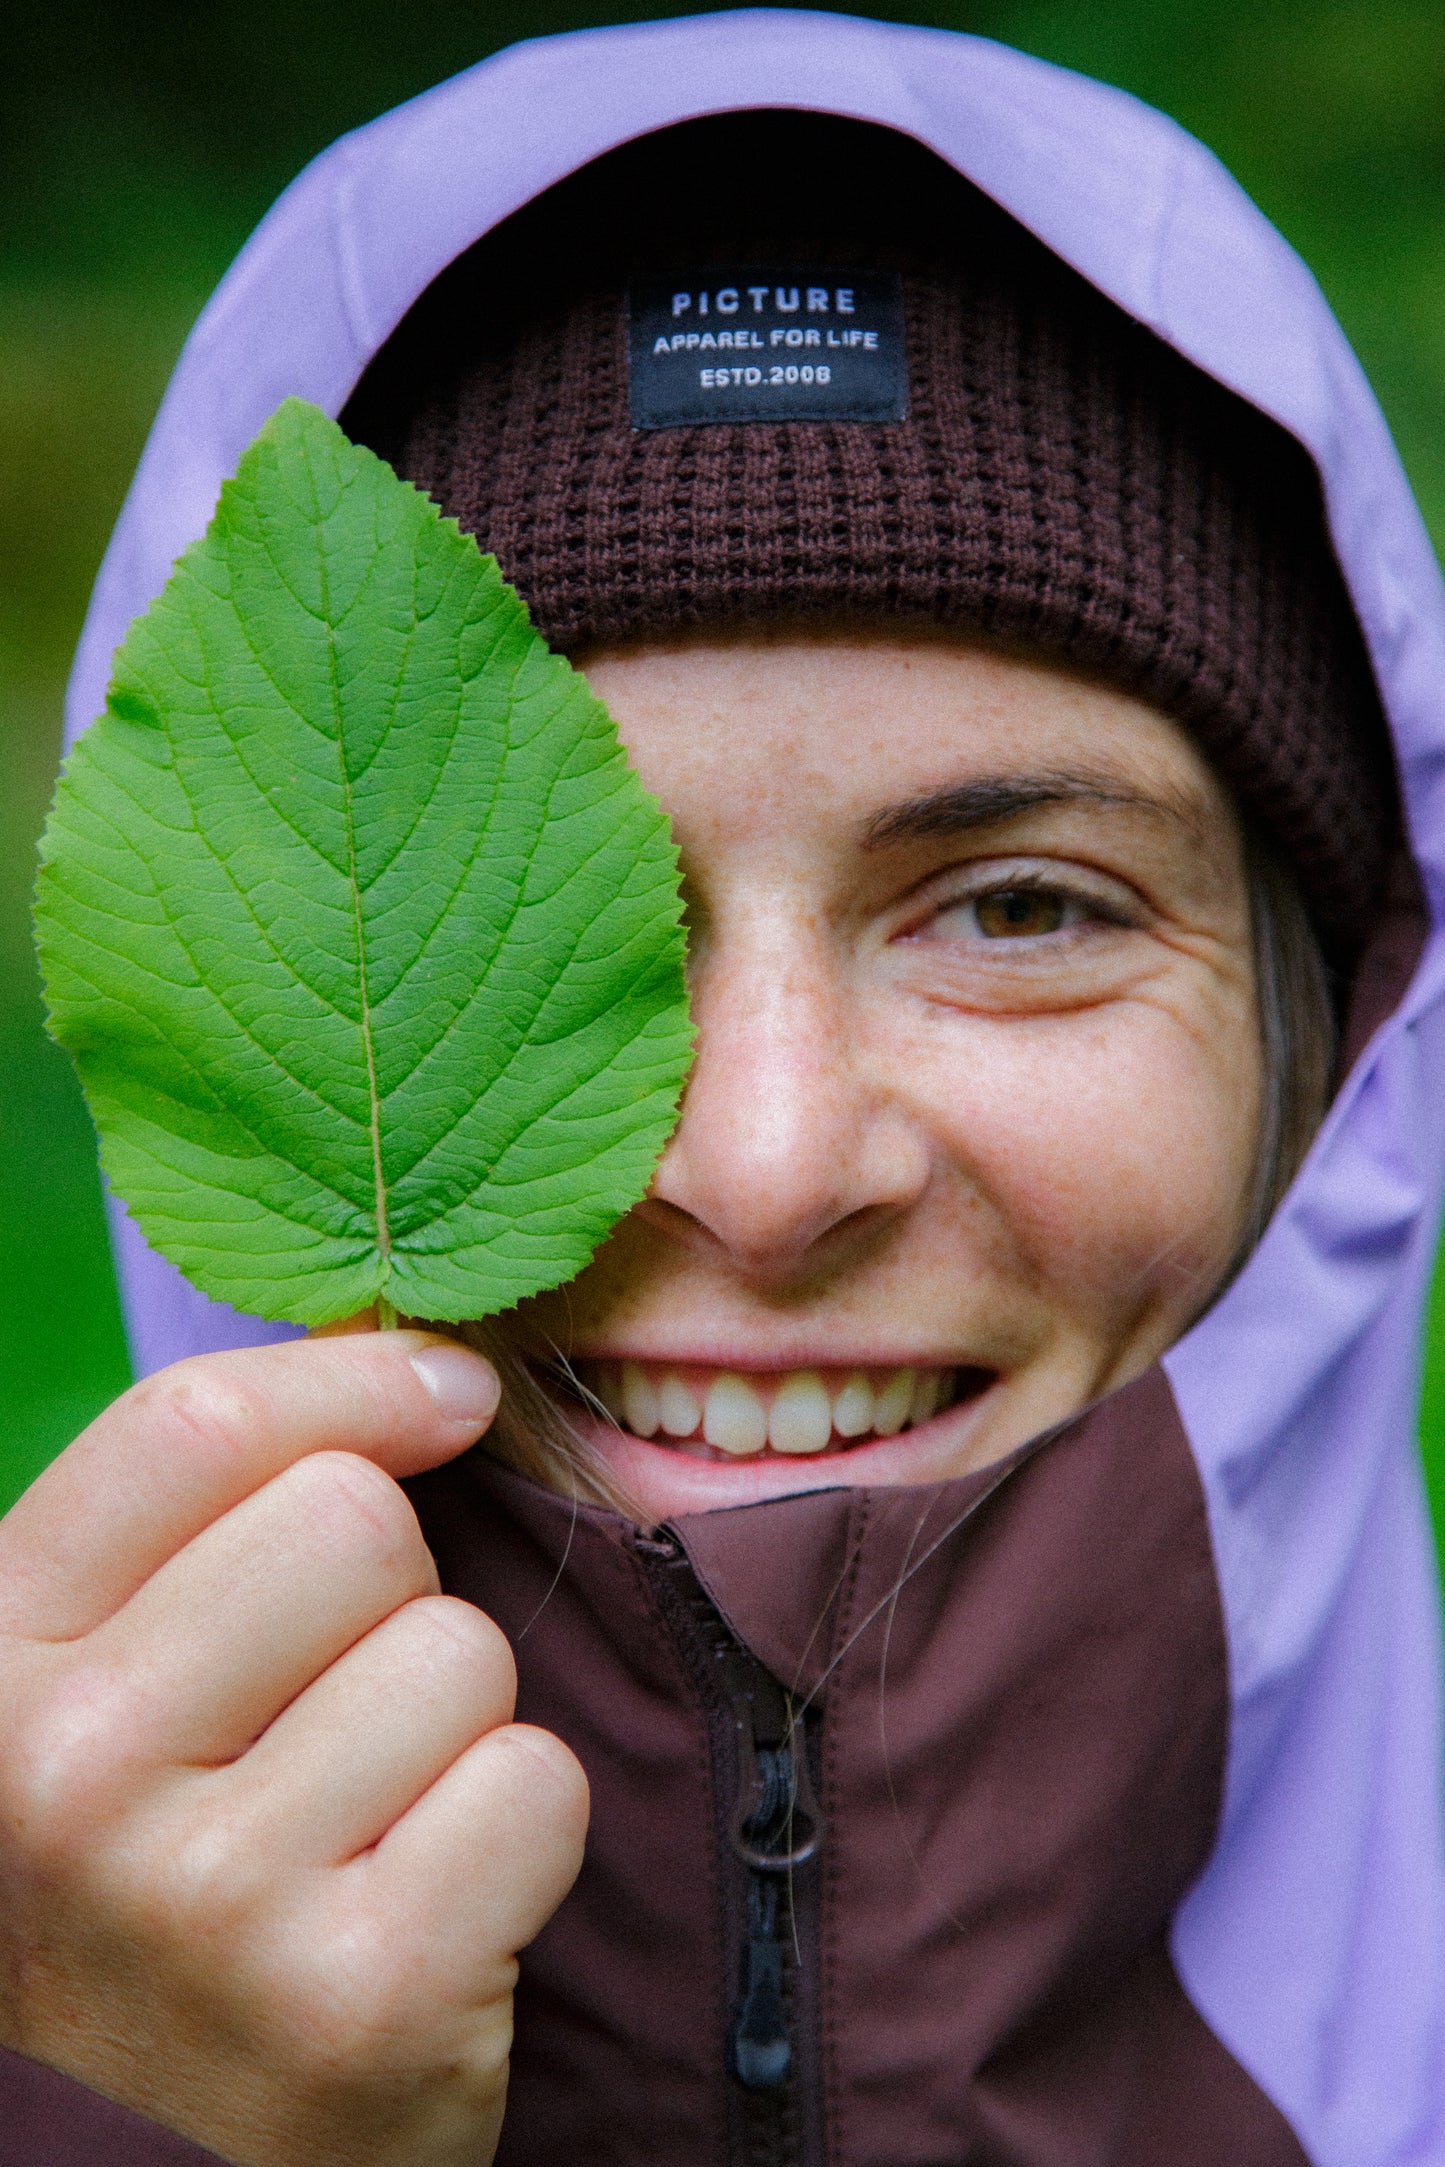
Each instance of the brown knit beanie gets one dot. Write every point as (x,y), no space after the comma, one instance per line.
(1059,478)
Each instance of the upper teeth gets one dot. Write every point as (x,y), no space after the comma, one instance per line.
(798,1412)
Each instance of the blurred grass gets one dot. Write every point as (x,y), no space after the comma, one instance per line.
(137,148)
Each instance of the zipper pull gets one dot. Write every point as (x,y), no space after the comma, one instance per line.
(776,1826)
(758,2040)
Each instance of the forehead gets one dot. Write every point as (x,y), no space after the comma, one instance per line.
(848,725)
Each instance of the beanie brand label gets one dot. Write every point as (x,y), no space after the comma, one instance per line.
(767,345)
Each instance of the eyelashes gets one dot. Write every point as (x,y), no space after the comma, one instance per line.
(1011,914)
(1021,906)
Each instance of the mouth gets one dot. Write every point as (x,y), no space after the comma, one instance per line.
(730,1415)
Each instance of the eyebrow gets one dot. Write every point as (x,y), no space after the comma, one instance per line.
(959,808)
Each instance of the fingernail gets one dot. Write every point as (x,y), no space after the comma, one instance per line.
(464,1387)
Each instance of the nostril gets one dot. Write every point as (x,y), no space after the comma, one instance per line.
(673,1218)
(772,1215)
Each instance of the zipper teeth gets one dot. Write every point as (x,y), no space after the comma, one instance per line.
(767,1781)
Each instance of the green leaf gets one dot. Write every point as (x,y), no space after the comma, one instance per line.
(363,933)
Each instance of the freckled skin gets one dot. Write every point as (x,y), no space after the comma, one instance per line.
(913,1133)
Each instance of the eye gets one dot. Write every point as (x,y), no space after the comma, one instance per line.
(1040,907)
(1016,910)
(1020,913)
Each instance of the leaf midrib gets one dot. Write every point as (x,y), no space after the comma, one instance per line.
(378,1175)
(363,1019)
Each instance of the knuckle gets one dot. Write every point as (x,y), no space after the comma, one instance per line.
(459,1649)
(456,1625)
(176,1891)
(356,2029)
(362,2010)
(205,1400)
(65,1765)
(351,1502)
(348,2003)
(193,1872)
(552,1775)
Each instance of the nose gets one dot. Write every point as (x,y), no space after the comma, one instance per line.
(789,1137)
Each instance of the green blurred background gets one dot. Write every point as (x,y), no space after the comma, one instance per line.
(139,144)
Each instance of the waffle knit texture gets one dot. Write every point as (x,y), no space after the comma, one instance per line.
(1063,482)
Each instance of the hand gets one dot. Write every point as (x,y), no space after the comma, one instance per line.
(269,1840)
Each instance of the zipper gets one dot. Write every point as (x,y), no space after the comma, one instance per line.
(769,1836)
(775,1830)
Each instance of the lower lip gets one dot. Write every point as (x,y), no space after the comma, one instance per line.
(665,1480)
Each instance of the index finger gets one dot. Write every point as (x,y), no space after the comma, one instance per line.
(182,1447)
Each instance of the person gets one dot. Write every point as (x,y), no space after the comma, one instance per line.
(962,1528)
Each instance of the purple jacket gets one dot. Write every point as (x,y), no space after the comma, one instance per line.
(1194,1907)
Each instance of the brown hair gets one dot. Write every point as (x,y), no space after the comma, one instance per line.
(1298,1027)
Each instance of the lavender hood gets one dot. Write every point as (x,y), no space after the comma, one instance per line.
(1314,1942)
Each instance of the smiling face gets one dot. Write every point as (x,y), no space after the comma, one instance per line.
(972,1127)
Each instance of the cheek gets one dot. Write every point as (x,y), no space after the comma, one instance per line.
(1115,1148)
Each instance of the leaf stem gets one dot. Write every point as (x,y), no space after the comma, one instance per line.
(385,1314)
